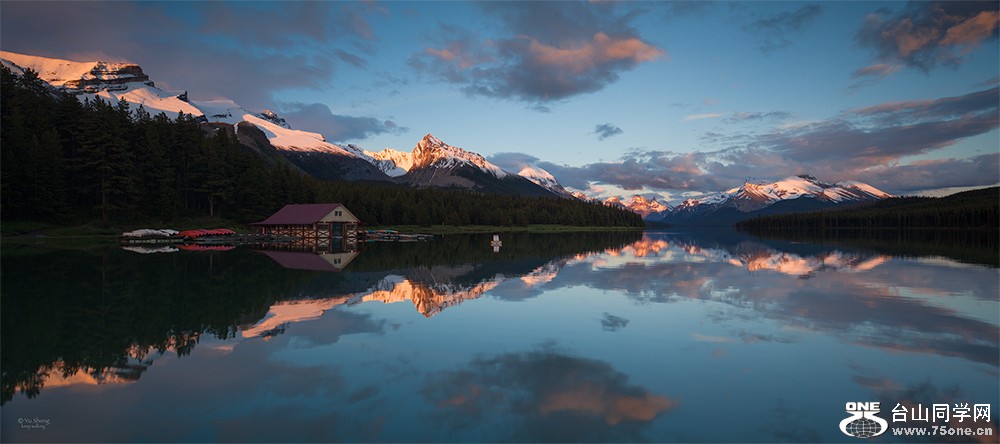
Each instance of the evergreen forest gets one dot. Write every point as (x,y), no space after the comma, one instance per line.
(68,162)
(968,210)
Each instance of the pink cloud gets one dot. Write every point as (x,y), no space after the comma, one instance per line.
(910,38)
(458,53)
(972,31)
(601,50)
(876,70)
(926,34)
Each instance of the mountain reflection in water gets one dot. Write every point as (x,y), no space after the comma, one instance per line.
(575,337)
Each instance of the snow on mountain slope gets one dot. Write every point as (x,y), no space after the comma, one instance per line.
(431,151)
(108,81)
(221,110)
(755,196)
(75,75)
(795,193)
(614,201)
(393,163)
(546,180)
(644,207)
(752,196)
(863,188)
(302,141)
(152,99)
(638,204)
(538,176)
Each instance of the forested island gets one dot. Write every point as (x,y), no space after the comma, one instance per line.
(969,210)
(962,226)
(68,163)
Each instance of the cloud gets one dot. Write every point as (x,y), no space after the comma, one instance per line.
(244,51)
(876,70)
(897,129)
(744,116)
(317,117)
(926,34)
(989,82)
(512,161)
(978,102)
(924,175)
(656,170)
(775,32)
(545,395)
(611,322)
(866,144)
(701,116)
(552,51)
(606,130)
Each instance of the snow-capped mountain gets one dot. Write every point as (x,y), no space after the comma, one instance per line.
(582,196)
(108,81)
(613,201)
(433,163)
(645,207)
(431,152)
(546,180)
(313,154)
(639,205)
(795,193)
(391,162)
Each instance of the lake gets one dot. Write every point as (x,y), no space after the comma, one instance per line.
(605,337)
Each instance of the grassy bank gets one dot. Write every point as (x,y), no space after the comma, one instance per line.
(38,233)
(95,232)
(471,229)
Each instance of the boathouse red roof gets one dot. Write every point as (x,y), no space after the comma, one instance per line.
(299,214)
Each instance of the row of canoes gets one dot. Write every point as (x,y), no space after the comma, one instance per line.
(392,236)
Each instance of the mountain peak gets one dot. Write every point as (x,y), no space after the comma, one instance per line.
(432,151)
(431,140)
(278,120)
(643,206)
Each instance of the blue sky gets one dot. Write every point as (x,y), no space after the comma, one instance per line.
(672,99)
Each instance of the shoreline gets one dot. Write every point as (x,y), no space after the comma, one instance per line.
(90,235)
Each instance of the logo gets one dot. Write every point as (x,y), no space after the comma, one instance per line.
(864,421)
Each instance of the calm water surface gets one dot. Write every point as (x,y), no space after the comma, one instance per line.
(656,336)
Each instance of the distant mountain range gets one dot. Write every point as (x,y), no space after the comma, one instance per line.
(791,194)
(431,163)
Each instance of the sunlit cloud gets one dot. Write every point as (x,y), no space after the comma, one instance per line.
(588,55)
(927,34)
(563,397)
(552,51)
(691,117)
(876,70)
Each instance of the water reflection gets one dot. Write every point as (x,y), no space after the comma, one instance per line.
(554,338)
(544,395)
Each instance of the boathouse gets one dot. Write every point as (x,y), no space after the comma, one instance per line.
(319,227)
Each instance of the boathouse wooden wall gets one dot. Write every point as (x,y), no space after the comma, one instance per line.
(327,231)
